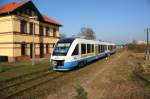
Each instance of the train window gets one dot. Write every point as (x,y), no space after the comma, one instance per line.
(99,47)
(88,48)
(76,50)
(114,47)
(103,48)
(61,49)
(83,48)
(92,48)
(111,47)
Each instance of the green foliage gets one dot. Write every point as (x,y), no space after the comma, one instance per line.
(87,33)
(3,69)
(81,93)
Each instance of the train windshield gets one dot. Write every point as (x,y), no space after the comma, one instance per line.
(61,49)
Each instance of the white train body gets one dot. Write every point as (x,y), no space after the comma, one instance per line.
(72,52)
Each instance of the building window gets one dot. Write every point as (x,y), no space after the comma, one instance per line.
(47,48)
(83,48)
(76,50)
(41,50)
(30,13)
(54,32)
(31,45)
(31,28)
(23,26)
(41,30)
(23,49)
(53,44)
(47,31)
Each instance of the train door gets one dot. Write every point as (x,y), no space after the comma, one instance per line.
(96,50)
(80,51)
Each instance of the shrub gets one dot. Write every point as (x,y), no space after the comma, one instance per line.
(81,93)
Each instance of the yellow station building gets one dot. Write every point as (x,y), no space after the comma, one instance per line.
(18,22)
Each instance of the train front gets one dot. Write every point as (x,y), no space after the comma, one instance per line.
(59,54)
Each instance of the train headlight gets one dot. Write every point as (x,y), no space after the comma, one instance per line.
(54,63)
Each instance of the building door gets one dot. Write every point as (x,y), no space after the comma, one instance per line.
(23,49)
(30,50)
(41,50)
(47,48)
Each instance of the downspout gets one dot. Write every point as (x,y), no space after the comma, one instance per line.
(12,35)
(13,19)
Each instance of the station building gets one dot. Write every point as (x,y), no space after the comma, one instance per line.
(18,22)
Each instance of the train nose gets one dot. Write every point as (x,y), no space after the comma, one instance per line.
(57,63)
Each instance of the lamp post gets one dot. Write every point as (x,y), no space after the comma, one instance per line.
(33,53)
(147,54)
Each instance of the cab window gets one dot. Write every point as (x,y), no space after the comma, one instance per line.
(76,50)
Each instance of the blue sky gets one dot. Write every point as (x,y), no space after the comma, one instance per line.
(119,21)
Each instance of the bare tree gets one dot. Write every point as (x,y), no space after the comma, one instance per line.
(87,33)
(63,35)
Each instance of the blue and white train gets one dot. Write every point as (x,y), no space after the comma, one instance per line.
(72,52)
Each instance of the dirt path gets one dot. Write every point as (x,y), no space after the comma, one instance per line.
(104,79)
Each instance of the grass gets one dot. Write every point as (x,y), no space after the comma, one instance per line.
(53,86)
(13,70)
(15,75)
(137,48)
(142,74)
(146,71)
(143,69)
(3,69)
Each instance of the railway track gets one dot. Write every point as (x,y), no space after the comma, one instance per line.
(27,79)
(21,76)
(18,88)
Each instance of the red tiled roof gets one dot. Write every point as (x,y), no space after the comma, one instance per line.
(47,19)
(14,5)
(10,7)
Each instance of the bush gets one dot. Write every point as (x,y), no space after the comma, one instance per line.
(81,93)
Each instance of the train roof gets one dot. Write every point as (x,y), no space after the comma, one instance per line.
(70,40)
(66,40)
